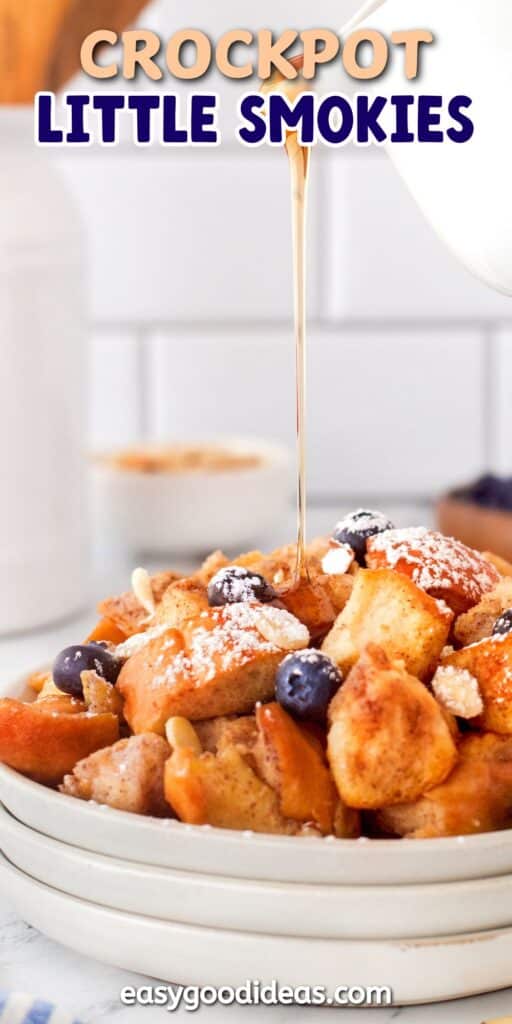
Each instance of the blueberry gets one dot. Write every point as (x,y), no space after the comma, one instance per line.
(356,529)
(503,625)
(81,658)
(306,682)
(491,492)
(234,584)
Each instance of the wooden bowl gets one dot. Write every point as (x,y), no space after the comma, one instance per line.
(486,529)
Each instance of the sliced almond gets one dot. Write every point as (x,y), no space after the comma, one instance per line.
(458,691)
(49,690)
(281,628)
(181,735)
(141,586)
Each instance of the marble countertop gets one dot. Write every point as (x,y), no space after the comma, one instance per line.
(90,990)
(30,962)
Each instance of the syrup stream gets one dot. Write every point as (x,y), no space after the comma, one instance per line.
(299,158)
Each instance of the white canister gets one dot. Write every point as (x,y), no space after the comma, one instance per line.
(43,509)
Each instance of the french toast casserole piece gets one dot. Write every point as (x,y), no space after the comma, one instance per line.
(371,696)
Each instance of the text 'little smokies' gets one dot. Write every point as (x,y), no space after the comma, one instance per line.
(334,120)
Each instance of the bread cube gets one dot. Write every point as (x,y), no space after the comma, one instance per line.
(128,776)
(227,730)
(126,611)
(478,623)
(490,662)
(442,566)
(223,790)
(501,564)
(219,663)
(388,739)
(44,741)
(184,599)
(476,797)
(388,609)
(290,759)
(263,772)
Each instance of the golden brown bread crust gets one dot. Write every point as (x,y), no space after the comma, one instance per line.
(128,776)
(223,790)
(126,611)
(292,762)
(388,740)
(314,601)
(478,623)
(100,697)
(490,662)
(227,730)
(476,797)
(310,601)
(219,664)
(184,599)
(442,566)
(44,742)
(263,772)
(387,609)
(504,568)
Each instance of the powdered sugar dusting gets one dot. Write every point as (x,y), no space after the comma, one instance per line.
(366,520)
(458,691)
(434,562)
(230,638)
(138,641)
(238,584)
(337,560)
(281,628)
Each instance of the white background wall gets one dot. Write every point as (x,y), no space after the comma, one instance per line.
(190,289)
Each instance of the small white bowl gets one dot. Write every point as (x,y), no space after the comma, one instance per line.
(417,970)
(219,901)
(196,510)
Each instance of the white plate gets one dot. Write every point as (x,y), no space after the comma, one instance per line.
(321,911)
(422,970)
(214,851)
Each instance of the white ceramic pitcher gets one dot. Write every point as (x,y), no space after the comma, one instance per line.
(43,501)
(465,190)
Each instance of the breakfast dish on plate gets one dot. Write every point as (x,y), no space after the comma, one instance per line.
(370,697)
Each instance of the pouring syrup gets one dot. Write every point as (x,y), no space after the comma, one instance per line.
(299,162)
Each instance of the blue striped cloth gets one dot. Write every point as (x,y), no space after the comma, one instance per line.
(18,1008)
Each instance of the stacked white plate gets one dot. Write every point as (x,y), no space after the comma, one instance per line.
(431,919)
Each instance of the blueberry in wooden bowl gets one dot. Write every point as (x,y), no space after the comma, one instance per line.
(480,514)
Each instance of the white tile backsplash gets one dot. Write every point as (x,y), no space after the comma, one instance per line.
(394,411)
(234,383)
(191,299)
(384,415)
(187,236)
(114,387)
(385,261)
